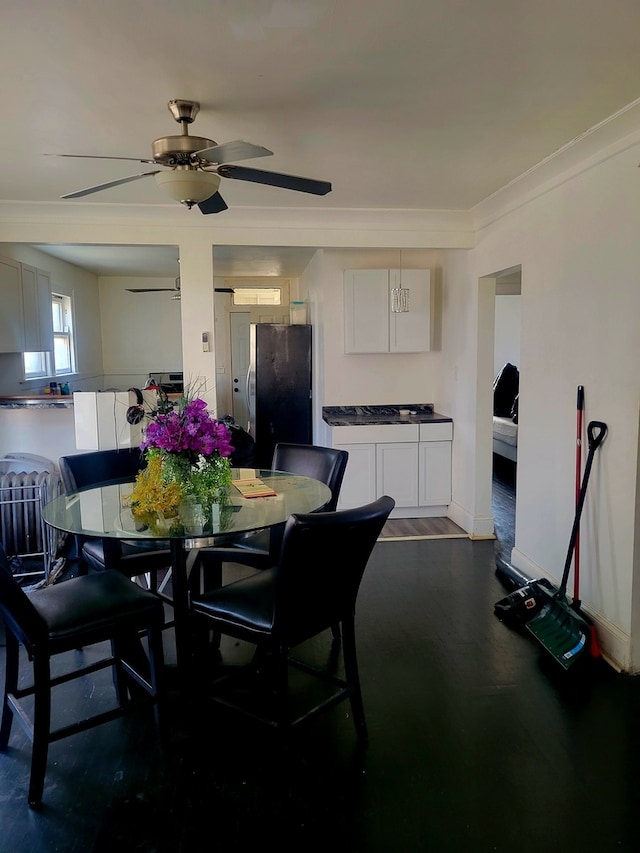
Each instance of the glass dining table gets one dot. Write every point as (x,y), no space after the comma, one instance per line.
(103,511)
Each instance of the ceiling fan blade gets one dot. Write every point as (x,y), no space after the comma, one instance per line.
(229,152)
(106,186)
(275,179)
(213,204)
(100,157)
(151,289)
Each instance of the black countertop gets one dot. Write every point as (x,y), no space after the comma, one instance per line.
(423,413)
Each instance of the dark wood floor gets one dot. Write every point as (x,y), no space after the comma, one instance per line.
(478,742)
(503,505)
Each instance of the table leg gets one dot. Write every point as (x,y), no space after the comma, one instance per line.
(181,608)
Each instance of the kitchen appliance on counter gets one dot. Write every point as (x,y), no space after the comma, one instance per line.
(171,382)
(278,387)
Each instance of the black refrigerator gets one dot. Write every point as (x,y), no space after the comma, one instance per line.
(279,387)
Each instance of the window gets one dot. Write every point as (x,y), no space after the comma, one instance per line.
(256,296)
(63,355)
(35,364)
(62,360)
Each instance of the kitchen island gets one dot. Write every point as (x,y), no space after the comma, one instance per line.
(37,401)
(43,425)
(402,450)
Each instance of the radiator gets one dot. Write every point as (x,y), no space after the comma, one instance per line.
(23,532)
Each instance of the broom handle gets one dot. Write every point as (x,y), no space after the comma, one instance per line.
(595,440)
(576,550)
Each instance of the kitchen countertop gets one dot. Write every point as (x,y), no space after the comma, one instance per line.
(33,401)
(45,401)
(379,415)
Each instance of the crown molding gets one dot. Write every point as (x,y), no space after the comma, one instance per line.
(86,222)
(610,137)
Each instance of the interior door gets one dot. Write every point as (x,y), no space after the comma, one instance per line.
(240,323)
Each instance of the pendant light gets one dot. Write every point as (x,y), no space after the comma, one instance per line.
(400,295)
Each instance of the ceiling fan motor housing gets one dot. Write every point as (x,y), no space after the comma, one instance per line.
(179,150)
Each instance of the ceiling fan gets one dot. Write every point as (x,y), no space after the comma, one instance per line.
(196,165)
(175,290)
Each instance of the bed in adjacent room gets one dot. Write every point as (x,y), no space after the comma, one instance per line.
(505,438)
(505,412)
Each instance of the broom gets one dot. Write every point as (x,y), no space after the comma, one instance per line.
(594,646)
(559,626)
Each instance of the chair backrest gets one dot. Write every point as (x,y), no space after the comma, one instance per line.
(326,464)
(99,466)
(322,560)
(19,614)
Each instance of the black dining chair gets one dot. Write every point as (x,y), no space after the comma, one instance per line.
(132,557)
(70,615)
(260,550)
(313,585)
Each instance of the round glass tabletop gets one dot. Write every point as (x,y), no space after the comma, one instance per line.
(103,510)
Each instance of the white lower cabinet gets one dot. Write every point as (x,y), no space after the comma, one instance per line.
(359,484)
(416,471)
(397,472)
(434,476)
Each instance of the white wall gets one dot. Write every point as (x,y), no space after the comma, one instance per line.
(311,288)
(141,332)
(45,432)
(507,332)
(578,246)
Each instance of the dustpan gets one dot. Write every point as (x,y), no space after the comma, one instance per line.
(560,629)
(559,625)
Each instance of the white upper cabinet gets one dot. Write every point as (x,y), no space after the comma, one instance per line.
(371,326)
(26,322)
(11,324)
(36,308)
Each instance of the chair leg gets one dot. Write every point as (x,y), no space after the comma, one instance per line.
(206,575)
(352,676)
(41,728)
(335,631)
(12,652)
(128,646)
(280,664)
(156,670)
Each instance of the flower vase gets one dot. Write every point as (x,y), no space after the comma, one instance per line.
(187,454)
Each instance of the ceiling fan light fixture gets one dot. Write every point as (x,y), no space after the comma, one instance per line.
(188,186)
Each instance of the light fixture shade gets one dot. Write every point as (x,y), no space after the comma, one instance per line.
(188,186)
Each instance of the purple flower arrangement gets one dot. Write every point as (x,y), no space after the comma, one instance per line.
(190,432)
(188,459)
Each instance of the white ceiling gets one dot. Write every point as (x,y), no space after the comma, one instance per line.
(401,104)
(152,261)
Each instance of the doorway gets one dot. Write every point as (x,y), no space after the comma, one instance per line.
(236,307)
(507,325)
(240,328)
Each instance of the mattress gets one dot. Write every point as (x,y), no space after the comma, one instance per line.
(505,430)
